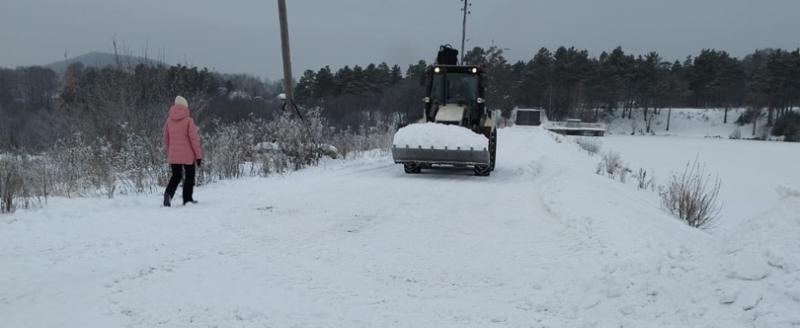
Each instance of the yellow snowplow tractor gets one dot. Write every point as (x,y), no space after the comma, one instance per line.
(455,98)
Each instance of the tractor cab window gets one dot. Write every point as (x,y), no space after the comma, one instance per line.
(454,88)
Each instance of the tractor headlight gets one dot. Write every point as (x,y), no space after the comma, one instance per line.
(437,70)
(474,70)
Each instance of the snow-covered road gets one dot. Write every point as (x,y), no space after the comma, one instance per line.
(542,242)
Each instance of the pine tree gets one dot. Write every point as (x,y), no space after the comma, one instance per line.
(306,89)
(326,83)
(396,75)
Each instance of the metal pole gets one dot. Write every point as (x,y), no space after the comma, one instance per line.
(287,58)
(464,29)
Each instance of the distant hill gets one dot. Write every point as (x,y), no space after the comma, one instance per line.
(99,60)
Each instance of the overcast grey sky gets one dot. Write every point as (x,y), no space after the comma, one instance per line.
(242,35)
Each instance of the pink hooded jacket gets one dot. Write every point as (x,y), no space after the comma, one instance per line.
(180,137)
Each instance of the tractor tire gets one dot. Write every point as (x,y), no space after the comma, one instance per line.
(412,168)
(482,170)
(492,150)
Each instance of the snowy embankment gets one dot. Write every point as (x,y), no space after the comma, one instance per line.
(751,172)
(439,136)
(543,242)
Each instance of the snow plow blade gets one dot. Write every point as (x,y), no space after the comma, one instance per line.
(419,155)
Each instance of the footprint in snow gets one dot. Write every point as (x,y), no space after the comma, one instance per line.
(265,209)
(499,320)
(748,276)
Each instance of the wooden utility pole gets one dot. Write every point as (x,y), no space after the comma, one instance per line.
(466,11)
(287,58)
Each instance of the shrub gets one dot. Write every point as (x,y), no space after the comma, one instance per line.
(788,126)
(692,196)
(137,162)
(225,152)
(643,180)
(623,174)
(590,145)
(298,140)
(22,183)
(748,116)
(81,166)
(10,184)
(736,134)
(612,163)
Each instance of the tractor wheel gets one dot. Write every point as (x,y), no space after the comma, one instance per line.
(412,168)
(483,170)
(492,150)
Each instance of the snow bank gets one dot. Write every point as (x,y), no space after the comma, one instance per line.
(748,189)
(439,136)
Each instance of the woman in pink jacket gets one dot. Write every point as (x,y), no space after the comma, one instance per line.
(183,150)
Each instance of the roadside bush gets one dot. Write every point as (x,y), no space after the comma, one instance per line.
(22,183)
(137,162)
(74,155)
(10,184)
(692,196)
(610,164)
(81,166)
(378,137)
(644,181)
(590,145)
(225,152)
(623,174)
(300,141)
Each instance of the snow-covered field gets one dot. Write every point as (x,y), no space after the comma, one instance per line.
(543,242)
(754,174)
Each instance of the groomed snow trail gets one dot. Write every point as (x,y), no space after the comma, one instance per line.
(543,242)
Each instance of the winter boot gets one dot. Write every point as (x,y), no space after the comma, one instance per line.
(167,200)
(191,201)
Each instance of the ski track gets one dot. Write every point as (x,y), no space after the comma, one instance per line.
(541,243)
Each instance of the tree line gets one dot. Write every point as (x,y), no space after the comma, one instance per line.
(37,106)
(355,96)
(568,82)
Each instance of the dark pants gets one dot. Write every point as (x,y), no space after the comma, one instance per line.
(188,183)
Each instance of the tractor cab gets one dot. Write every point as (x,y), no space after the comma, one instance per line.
(455,95)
